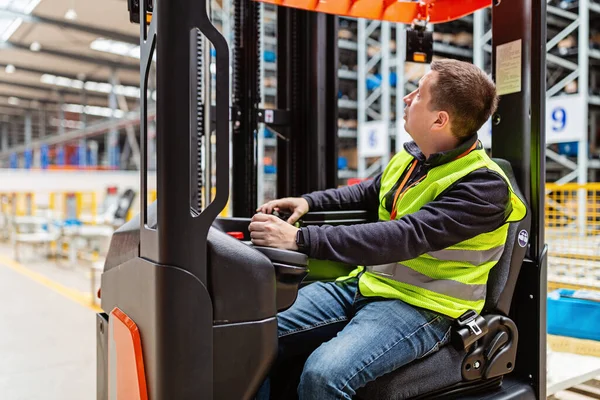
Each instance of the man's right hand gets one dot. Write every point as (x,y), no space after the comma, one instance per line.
(298,206)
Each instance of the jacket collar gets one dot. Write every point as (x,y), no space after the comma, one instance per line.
(443,157)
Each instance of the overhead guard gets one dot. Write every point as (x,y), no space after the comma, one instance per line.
(433,11)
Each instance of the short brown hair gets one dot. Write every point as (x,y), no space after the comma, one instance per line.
(466,93)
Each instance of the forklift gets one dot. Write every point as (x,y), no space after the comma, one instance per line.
(190,305)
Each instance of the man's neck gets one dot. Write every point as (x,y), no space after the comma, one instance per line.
(439,146)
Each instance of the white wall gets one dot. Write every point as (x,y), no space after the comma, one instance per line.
(46,181)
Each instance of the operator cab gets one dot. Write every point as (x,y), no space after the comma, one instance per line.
(190,306)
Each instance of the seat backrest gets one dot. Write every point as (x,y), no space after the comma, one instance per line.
(503,277)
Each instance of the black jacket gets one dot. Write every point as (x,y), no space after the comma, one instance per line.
(478,203)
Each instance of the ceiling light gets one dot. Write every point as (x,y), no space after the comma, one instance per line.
(116,47)
(31,5)
(91,86)
(71,15)
(10,28)
(98,111)
(9,69)
(13,101)
(9,25)
(47,78)
(35,46)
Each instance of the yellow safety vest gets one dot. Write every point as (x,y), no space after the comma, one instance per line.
(449,281)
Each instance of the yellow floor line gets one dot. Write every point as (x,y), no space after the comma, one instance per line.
(71,294)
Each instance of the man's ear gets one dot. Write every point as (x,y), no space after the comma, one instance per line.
(442,121)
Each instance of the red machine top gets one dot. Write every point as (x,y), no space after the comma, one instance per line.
(434,11)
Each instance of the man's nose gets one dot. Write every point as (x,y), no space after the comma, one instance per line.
(407,99)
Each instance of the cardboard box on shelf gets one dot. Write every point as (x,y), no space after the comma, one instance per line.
(566,344)
(351,156)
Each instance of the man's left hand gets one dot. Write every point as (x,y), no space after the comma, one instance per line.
(268,230)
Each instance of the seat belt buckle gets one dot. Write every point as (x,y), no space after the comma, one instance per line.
(467,329)
(474,327)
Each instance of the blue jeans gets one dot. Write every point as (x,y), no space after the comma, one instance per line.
(352,339)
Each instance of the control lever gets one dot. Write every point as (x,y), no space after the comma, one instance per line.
(284,216)
(499,340)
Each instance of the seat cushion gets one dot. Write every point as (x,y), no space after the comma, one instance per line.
(433,372)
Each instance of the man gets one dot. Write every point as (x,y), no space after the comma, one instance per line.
(443,209)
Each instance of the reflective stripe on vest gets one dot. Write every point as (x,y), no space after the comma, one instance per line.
(402,273)
(475,257)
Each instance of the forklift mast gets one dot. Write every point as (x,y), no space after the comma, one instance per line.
(306,114)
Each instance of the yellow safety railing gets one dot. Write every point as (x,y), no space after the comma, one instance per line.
(72,205)
(573,220)
(573,235)
(18,204)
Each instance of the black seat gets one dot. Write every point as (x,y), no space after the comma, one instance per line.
(453,373)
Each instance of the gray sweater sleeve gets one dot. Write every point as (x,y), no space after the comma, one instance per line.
(362,196)
(477,204)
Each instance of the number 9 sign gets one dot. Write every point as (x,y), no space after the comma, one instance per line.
(559,119)
(565,119)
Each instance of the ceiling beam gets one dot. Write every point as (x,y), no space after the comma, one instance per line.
(27,98)
(54,88)
(94,78)
(74,56)
(8,110)
(37,19)
(35,110)
(46,100)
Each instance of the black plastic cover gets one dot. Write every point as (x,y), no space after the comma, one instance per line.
(234,224)
(495,354)
(419,45)
(289,278)
(284,256)
(173,312)
(245,352)
(125,242)
(241,280)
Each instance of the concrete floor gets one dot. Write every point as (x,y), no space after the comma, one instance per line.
(47,331)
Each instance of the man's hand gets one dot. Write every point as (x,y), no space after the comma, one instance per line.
(268,230)
(295,205)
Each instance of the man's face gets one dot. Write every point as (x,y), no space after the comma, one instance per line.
(418,116)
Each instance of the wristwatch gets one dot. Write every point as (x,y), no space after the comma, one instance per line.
(300,242)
